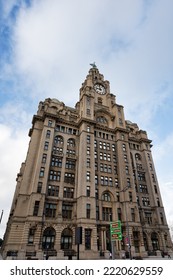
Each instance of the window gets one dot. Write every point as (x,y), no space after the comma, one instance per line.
(141,176)
(48,238)
(68,192)
(153,177)
(88,210)
(58,140)
(88,239)
(102,120)
(106,197)
(107,214)
(31,235)
(130,197)
(36,208)
(158,202)
(54,175)
(133,214)
(39,187)
(42,171)
(57,150)
(145,201)
(69,178)
(97,213)
(49,123)
(71,142)
(148,217)
(56,161)
(70,164)
(88,128)
(88,151)
(66,239)
(88,139)
(119,213)
(44,157)
(161,218)
(88,176)
(96,179)
(124,147)
(155,188)
(137,157)
(88,111)
(128,183)
(67,211)
(116,183)
(53,190)
(46,145)
(50,210)
(143,188)
(127,170)
(48,134)
(88,191)
(118,196)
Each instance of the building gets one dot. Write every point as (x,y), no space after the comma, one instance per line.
(85,168)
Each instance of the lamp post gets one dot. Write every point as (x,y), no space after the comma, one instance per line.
(127,225)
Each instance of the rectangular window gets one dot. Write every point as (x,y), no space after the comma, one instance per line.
(44,157)
(56,161)
(69,178)
(68,192)
(88,239)
(54,175)
(39,187)
(88,176)
(31,236)
(119,213)
(88,191)
(36,208)
(50,210)
(53,190)
(107,214)
(70,164)
(88,210)
(46,145)
(42,171)
(133,214)
(88,151)
(67,211)
(88,139)
(48,134)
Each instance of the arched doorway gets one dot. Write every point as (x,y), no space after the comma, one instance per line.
(66,239)
(155,241)
(48,238)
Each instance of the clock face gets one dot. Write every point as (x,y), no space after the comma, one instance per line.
(99,88)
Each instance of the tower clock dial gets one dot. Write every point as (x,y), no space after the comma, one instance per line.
(99,88)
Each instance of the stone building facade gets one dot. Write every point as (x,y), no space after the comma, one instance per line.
(85,168)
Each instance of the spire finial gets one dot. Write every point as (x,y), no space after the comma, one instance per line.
(93,65)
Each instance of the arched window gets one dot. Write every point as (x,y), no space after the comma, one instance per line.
(66,238)
(102,119)
(106,196)
(48,238)
(71,142)
(137,156)
(58,140)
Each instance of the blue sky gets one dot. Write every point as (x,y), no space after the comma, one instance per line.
(45,51)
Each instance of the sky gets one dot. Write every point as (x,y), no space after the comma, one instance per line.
(46,47)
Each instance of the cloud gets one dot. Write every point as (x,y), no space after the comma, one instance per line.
(13,149)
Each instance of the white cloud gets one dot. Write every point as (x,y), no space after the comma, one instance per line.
(13,151)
